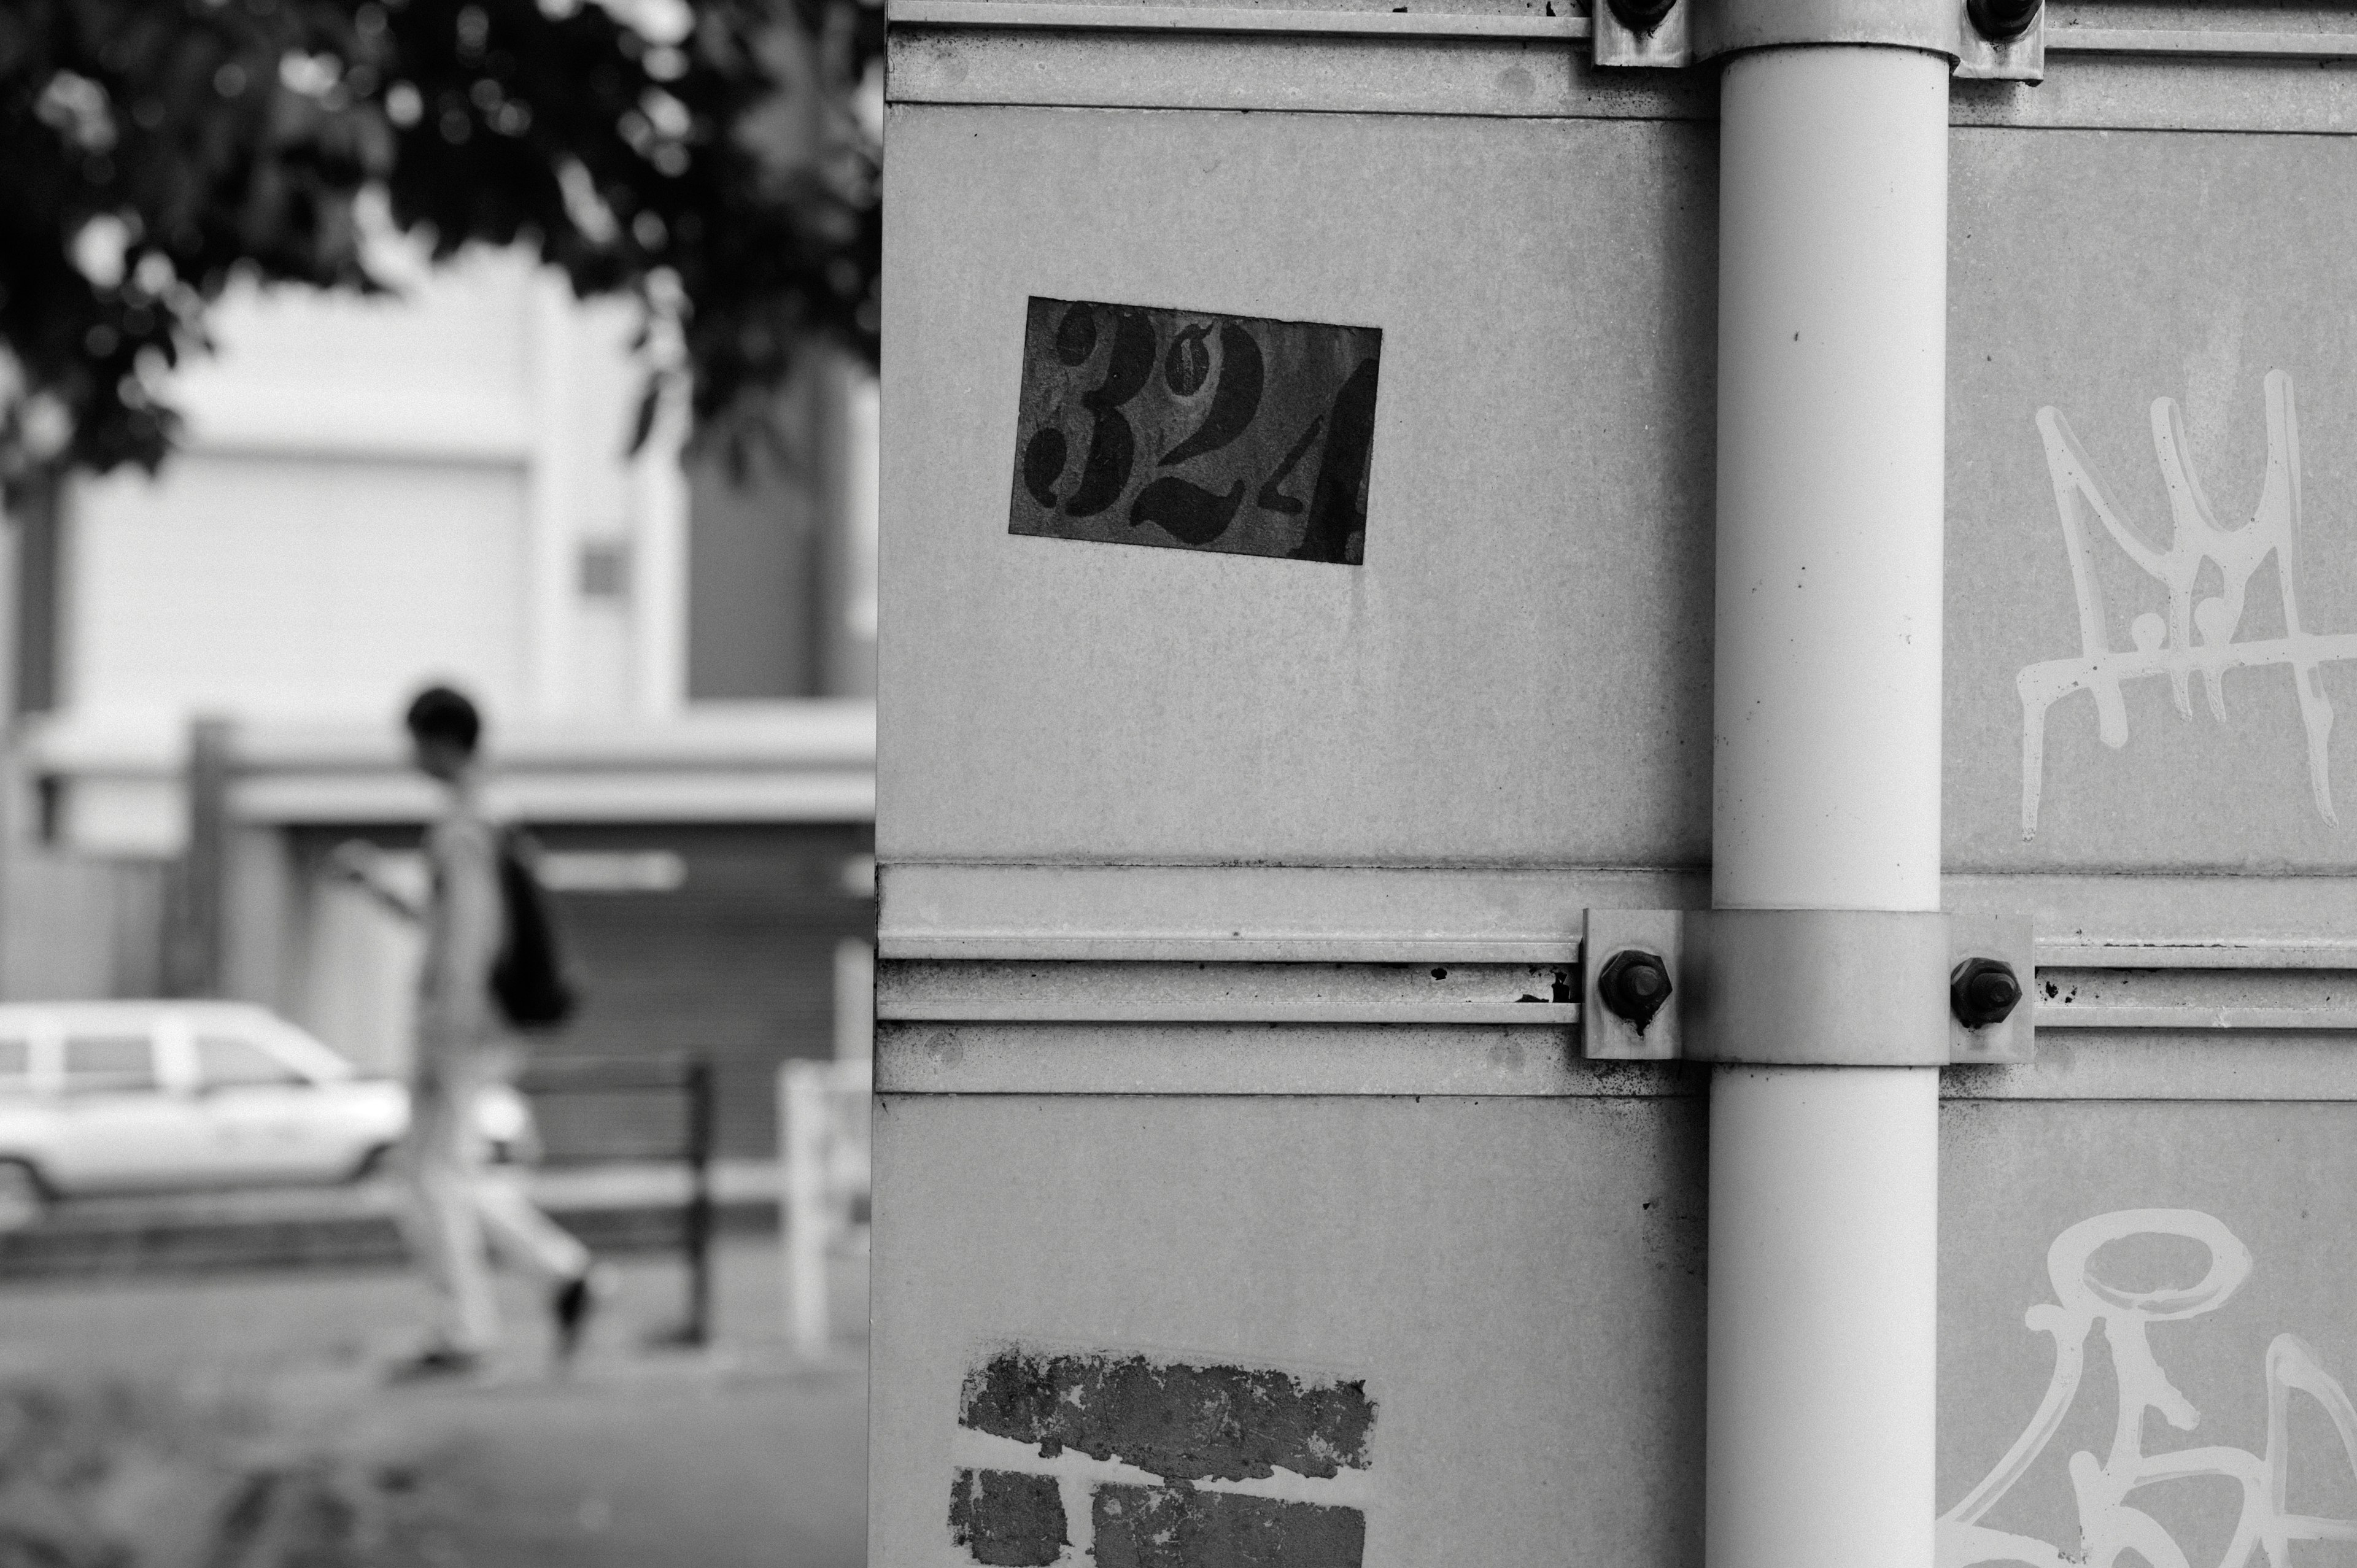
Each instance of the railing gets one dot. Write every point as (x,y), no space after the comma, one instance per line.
(822,1132)
(689,1075)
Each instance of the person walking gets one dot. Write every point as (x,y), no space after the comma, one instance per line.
(458,1210)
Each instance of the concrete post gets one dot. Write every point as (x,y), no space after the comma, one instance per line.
(1825,1178)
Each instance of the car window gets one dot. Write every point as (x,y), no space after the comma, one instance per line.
(230,1061)
(99,1064)
(16,1066)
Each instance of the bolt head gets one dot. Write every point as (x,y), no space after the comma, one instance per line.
(1633,985)
(1982,991)
(2002,21)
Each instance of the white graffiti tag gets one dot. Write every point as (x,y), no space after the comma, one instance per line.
(2109,1528)
(2196,636)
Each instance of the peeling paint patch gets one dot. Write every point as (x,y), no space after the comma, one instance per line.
(1006,1519)
(1179,1527)
(1119,1460)
(1182,1422)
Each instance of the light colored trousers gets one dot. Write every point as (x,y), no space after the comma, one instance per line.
(461,1210)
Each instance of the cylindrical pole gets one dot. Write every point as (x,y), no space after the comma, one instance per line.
(1824,1185)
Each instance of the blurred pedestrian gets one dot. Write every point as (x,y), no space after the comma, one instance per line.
(458,1210)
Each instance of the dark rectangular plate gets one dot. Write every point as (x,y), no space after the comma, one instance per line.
(1190,430)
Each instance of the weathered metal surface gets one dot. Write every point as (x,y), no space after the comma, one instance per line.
(2216,67)
(947,1058)
(2129,462)
(1211,770)
(2259,1062)
(2186,1243)
(1469,915)
(1547,1283)
(1499,721)
(1289,21)
(1478,73)
(1229,993)
(1553,562)
(1282,914)
(1485,1272)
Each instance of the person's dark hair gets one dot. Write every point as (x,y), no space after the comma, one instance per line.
(440,713)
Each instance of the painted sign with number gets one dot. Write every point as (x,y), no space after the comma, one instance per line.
(1194,431)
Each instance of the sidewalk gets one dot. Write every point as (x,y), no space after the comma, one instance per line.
(243,1419)
(613,1207)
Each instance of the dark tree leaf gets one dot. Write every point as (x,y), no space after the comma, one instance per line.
(150,150)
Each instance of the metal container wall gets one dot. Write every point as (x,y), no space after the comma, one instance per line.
(1225,900)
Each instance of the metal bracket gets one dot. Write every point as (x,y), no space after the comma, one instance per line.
(1603,1035)
(1683,38)
(1667,47)
(1805,986)
(2019,59)
(2006,939)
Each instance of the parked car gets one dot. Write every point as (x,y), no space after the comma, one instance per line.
(130,1096)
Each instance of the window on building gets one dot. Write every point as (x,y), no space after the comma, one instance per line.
(16,1066)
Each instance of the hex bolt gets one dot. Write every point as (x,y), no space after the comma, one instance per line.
(1641,17)
(1633,985)
(1982,991)
(1998,21)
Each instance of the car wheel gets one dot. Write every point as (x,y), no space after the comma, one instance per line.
(22,1196)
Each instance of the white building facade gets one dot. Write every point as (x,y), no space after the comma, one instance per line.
(437,485)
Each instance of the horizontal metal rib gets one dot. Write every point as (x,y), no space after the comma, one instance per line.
(1058,14)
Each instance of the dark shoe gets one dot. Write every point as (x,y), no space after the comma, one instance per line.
(570,1304)
(435,1366)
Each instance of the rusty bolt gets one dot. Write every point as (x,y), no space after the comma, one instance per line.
(2002,21)
(1640,16)
(1633,985)
(1982,991)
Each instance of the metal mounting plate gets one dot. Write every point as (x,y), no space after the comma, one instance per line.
(1807,986)
(1978,60)
(1706,30)
(2008,937)
(1666,48)
(1604,1037)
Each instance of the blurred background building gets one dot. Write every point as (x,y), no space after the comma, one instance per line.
(207,670)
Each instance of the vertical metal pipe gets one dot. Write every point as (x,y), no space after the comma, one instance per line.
(1833,236)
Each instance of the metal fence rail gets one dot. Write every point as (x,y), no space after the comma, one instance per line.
(685,1073)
